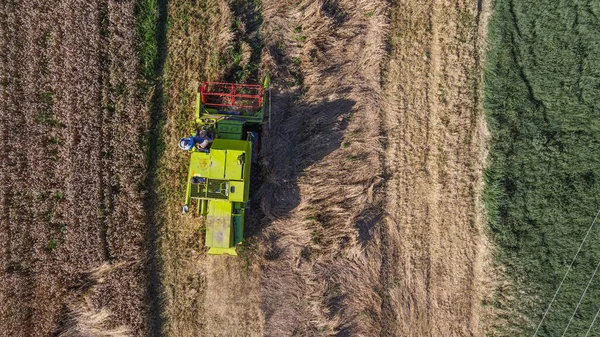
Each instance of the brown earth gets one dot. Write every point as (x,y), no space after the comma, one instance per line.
(72,170)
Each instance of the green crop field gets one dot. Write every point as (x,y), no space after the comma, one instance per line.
(543,178)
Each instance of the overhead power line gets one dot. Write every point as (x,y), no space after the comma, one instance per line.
(581,299)
(567,273)
(591,325)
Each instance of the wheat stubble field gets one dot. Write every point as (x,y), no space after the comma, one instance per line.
(366,219)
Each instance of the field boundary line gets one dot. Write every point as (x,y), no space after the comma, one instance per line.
(567,273)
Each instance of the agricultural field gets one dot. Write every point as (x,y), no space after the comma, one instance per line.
(371,150)
(542,194)
(381,204)
(72,206)
(437,256)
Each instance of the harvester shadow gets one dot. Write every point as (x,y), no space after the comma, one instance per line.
(299,136)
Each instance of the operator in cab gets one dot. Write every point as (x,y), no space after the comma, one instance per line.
(202,140)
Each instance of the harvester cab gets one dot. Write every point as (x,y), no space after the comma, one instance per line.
(223,144)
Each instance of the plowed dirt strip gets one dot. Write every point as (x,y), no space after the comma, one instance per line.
(70,192)
(434,239)
(15,284)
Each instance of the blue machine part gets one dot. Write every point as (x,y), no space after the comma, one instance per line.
(186,143)
(228,112)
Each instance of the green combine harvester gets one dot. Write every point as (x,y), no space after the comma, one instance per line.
(223,147)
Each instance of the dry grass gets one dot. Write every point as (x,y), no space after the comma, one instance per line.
(372,221)
(72,164)
(84,318)
(437,254)
(332,258)
(311,287)
(323,167)
(91,322)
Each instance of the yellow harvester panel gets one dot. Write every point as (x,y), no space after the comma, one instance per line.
(199,164)
(218,224)
(217,164)
(236,191)
(234,165)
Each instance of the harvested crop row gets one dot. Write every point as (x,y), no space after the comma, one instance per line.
(220,295)
(71,179)
(323,168)
(434,240)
